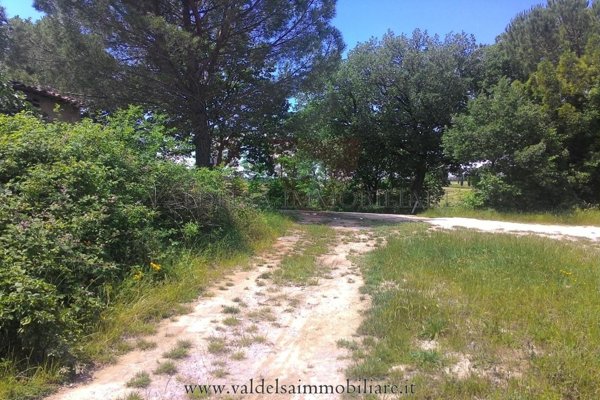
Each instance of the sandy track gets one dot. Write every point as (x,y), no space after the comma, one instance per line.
(552,231)
(287,333)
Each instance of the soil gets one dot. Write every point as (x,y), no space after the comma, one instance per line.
(275,332)
(284,332)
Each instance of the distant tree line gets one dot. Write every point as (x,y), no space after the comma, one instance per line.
(262,84)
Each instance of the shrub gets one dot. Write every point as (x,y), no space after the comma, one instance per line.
(86,206)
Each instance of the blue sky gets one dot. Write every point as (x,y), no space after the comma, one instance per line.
(359,20)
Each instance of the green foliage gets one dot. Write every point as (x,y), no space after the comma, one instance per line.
(540,140)
(87,208)
(40,52)
(11,102)
(547,32)
(510,304)
(520,150)
(140,380)
(381,118)
(222,70)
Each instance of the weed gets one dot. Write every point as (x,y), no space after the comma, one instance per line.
(217,345)
(139,380)
(220,373)
(179,351)
(231,310)
(262,314)
(132,396)
(231,321)
(143,344)
(166,368)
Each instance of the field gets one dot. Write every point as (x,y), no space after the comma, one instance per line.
(474,315)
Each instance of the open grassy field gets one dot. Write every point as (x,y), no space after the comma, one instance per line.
(453,204)
(467,315)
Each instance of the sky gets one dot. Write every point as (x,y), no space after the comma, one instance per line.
(359,20)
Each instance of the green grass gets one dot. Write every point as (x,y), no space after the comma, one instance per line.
(140,380)
(522,304)
(180,350)
(231,321)
(166,368)
(143,344)
(453,204)
(230,310)
(34,383)
(137,306)
(217,345)
(301,267)
(132,396)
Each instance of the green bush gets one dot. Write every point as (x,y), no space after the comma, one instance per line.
(86,206)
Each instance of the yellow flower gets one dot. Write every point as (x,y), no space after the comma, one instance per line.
(138,275)
(566,273)
(155,266)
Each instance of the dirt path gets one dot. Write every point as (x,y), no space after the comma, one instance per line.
(552,231)
(252,328)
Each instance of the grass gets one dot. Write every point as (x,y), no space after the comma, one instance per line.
(301,267)
(231,321)
(220,373)
(230,310)
(140,380)
(132,396)
(143,344)
(34,383)
(526,305)
(576,217)
(262,314)
(166,368)
(180,350)
(453,205)
(217,345)
(247,341)
(137,307)
(137,310)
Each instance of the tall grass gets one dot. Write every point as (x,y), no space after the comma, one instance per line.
(140,305)
(525,312)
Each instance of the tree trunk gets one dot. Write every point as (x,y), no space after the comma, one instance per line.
(417,185)
(202,142)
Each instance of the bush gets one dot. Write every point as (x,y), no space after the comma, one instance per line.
(84,207)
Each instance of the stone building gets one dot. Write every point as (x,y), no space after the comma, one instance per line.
(52,105)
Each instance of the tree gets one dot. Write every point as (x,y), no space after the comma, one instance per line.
(52,52)
(390,102)
(217,67)
(544,33)
(569,92)
(3,31)
(516,144)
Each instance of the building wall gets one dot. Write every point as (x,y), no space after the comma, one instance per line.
(68,112)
